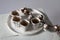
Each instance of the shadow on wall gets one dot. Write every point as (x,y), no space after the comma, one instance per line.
(56,17)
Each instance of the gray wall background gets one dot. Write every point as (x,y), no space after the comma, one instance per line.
(51,7)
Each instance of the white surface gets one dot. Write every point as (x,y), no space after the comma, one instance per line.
(5,34)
